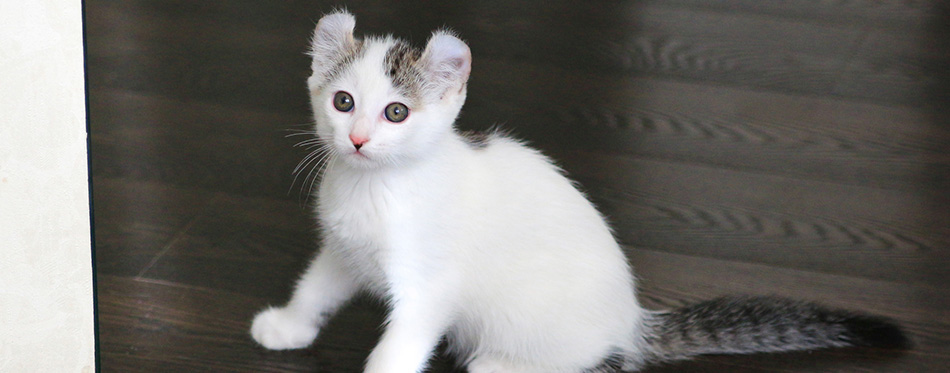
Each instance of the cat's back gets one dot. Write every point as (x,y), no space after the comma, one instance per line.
(520,184)
(515,160)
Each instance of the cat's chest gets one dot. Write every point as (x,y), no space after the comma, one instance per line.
(365,214)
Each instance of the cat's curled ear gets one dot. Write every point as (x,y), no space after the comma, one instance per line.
(446,62)
(332,41)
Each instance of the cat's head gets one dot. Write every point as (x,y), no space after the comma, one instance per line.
(379,101)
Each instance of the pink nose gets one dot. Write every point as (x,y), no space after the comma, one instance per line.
(358,141)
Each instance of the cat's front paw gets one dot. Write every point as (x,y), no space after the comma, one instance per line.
(280,329)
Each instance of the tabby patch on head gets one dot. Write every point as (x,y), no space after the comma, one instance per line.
(401,66)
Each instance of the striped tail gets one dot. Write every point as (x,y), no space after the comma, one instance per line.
(751,324)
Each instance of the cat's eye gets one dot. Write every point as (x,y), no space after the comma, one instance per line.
(342,101)
(396,112)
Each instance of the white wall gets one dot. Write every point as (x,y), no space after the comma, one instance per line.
(46,310)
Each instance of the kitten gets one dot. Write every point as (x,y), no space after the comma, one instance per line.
(487,244)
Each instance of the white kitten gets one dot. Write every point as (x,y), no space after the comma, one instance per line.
(486,243)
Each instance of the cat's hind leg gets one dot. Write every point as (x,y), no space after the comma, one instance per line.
(322,289)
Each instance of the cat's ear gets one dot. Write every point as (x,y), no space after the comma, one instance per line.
(332,41)
(446,62)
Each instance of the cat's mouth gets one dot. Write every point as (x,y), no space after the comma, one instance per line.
(359,155)
(360,159)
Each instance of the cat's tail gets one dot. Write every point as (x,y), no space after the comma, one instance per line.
(750,324)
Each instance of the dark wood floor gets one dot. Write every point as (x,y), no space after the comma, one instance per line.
(799,148)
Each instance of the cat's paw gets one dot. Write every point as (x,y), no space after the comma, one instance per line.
(280,329)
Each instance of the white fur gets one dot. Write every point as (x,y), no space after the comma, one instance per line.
(492,248)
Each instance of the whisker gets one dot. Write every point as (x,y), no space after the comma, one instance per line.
(307,159)
(317,149)
(314,158)
(308,142)
(310,123)
(325,166)
(317,168)
(314,163)
(302,132)
(318,157)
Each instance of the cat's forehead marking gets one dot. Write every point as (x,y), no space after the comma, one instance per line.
(394,58)
(400,65)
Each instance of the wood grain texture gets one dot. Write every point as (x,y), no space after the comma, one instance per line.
(877,13)
(795,148)
(147,136)
(800,136)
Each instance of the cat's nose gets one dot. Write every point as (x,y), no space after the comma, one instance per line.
(358,141)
